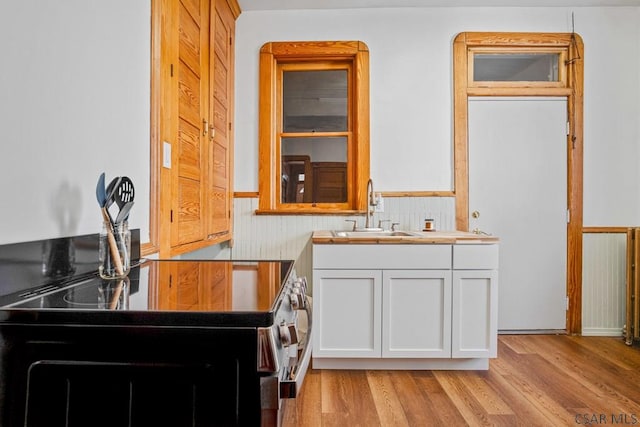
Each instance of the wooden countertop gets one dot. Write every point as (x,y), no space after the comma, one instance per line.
(415,237)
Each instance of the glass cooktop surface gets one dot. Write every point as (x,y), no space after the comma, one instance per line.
(166,285)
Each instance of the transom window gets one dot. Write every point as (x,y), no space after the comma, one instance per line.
(537,67)
(314,127)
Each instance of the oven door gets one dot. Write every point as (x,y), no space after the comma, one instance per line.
(292,376)
(288,358)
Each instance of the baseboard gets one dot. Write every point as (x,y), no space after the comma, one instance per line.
(532,332)
(601,332)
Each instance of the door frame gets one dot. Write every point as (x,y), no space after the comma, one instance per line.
(572,87)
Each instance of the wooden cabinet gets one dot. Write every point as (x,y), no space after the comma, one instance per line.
(397,306)
(196,116)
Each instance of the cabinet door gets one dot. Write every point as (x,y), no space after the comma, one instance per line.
(346,310)
(475,313)
(416,313)
(220,119)
(188,175)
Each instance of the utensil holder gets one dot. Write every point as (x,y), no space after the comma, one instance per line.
(115,247)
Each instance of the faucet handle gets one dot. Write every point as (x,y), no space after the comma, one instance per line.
(381,221)
(353,221)
(393,226)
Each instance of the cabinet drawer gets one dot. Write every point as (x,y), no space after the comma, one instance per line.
(475,257)
(381,256)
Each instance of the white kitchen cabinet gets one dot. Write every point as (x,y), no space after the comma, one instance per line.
(475,301)
(349,304)
(416,313)
(475,314)
(404,306)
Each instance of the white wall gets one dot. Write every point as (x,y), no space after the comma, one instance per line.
(74,102)
(411,99)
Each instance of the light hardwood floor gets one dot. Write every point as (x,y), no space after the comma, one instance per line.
(537,380)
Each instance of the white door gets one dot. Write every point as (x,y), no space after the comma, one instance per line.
(518,186)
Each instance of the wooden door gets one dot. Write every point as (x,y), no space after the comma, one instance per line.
(221,110)
(188,178)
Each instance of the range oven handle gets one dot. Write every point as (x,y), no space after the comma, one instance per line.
(293,377)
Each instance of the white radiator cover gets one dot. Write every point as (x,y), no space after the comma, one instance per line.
(603,283)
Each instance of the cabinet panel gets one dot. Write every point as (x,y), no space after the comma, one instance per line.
(396,256)
(220,117)
(475,313)
(475,257)
(188,175)
(416,313)
(347,306)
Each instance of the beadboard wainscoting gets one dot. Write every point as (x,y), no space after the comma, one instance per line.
(603,283)
(289,236)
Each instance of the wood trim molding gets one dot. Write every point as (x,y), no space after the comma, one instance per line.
(439,193)
(573,45)
(246,194)
(153,246)
(272,55)
(605,230)
(235,8)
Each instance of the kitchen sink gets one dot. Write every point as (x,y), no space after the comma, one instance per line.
(369,234)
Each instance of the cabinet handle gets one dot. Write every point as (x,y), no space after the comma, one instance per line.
(205,127)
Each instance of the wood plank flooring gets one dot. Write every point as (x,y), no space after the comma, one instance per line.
(537,380)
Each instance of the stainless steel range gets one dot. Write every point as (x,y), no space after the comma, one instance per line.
(176,343)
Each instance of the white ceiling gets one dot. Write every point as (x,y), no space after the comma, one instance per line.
(247,5)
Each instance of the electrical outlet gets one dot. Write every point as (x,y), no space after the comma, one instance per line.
(166,155)
(379,204)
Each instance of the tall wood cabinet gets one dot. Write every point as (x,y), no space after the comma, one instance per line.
(196,115)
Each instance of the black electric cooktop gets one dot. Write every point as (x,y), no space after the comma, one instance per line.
(179,292)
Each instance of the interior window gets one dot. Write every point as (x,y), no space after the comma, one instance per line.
(515,67)
(314,134)
(538,67)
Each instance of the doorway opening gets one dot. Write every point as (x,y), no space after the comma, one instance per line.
(531,64)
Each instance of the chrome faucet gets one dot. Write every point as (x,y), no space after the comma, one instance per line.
(371,201)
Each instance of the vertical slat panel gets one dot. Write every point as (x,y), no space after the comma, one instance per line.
(603,286)
(631,234)
(288,236)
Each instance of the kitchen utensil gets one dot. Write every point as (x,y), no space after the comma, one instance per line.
(110,194)
(124,213)
(101,196)
(113,304)
(125,193)
(100,191)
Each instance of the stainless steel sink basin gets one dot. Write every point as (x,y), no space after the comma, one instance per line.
(369,234)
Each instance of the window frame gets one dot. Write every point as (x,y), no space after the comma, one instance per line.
(274,56)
